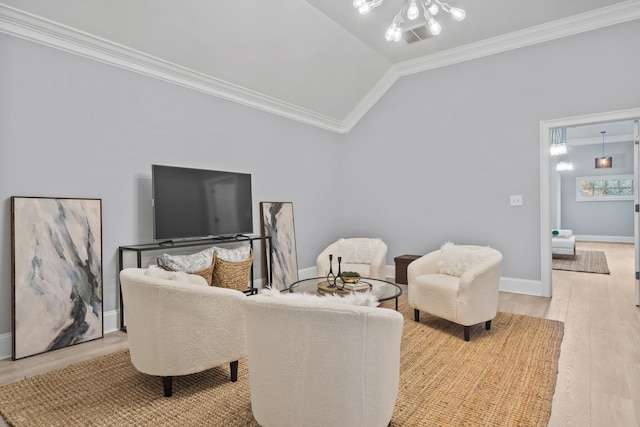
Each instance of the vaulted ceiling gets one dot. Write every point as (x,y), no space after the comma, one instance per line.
(316,61)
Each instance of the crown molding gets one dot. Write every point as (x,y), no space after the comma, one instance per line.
(371,98)
(26,26)
(599,18)
(604,17)
(29,27)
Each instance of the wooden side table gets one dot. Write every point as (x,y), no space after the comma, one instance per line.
(402,262)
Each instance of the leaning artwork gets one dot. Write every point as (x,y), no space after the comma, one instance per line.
(277,222)
(56,273)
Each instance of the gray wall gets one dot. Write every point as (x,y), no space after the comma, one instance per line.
(71,127)
(606,219)
(436,159)
(454,143)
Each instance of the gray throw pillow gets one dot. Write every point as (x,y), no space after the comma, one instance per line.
(187,263)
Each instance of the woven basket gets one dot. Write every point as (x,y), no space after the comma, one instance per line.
(207,273)
(234,275)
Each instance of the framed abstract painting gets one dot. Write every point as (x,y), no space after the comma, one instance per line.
(56,272)
(277,222)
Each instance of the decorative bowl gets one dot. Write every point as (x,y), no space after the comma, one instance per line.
(350,277)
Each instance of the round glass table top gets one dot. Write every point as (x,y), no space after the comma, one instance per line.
(381,288)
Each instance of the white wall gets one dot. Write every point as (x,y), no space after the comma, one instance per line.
(436,159)
(71,127)
(454,143)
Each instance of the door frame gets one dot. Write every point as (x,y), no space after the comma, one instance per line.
(545,181)
(636,201)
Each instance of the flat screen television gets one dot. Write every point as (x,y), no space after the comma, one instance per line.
(198,203)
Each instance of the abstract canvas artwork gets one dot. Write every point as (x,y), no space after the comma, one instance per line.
(56,273)
(277,222)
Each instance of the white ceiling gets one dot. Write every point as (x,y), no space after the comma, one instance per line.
(621,131)
(316,61)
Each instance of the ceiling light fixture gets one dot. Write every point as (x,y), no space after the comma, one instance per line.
(558,141)
(411,10)
(603,162)
(564,164)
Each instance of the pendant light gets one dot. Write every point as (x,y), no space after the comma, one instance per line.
(603,162)
(564,164)
(558,141)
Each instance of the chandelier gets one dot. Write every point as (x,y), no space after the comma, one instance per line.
(411,10)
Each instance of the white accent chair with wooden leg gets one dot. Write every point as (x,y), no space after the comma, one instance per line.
(459,283)
(183,326)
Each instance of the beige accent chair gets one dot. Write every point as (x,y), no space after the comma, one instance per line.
(180,328)
(322,363)
(363,255)
(468,296)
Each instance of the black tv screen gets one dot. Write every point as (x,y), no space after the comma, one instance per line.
(197,203)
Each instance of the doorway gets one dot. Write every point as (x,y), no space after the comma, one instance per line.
(545,184)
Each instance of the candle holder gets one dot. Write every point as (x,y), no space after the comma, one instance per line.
(338,287)
(331,278)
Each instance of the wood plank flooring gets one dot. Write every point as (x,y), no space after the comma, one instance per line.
(599,368)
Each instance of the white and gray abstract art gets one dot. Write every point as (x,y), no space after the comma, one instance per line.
(277,222)
(57,273)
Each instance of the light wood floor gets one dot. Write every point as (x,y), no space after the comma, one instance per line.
(599,368)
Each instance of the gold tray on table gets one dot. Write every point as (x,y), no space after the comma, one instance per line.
(323,288)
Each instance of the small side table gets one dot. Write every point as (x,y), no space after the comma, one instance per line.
(402,262)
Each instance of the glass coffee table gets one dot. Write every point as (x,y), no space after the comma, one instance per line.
(381,288)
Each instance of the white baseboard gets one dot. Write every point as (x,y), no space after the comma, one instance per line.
(5,345)
(507,284)
(307,273)
(608,239)
(521,286)
(111,321)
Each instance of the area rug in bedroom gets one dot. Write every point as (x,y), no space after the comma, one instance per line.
(583,261)
(502,377)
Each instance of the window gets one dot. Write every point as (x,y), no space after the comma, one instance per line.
(604,188)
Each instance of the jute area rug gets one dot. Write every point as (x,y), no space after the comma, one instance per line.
(502,377)
(584,261)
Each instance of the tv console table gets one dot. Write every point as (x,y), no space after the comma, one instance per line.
(158,246)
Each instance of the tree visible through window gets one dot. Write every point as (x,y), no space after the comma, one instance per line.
(618,187)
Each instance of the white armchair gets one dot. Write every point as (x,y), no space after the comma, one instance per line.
(461,286)
(319,362)
(179,328)
(363,255)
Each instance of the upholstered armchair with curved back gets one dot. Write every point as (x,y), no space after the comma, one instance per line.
(314,361)
(459,283)
(180,327)
(363,255)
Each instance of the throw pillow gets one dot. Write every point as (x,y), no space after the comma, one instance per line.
(357,251)
(187,263)
(456,260)
(238,254)
(161,273)
(367,299)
